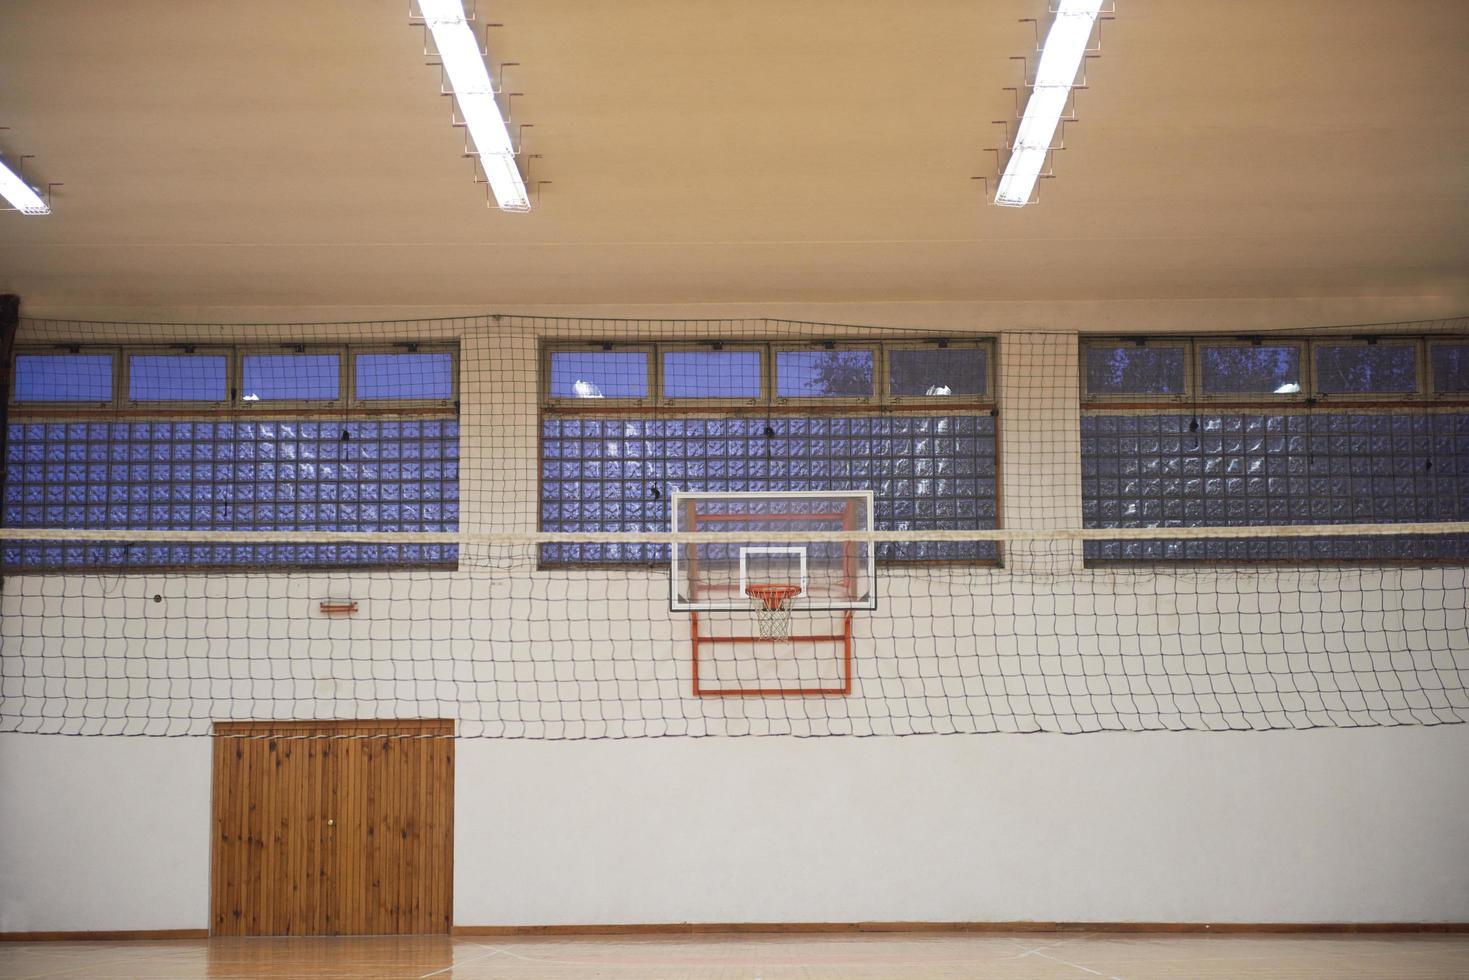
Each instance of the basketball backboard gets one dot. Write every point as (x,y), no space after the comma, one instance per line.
(718,573)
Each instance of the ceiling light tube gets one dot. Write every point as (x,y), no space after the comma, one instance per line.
(19,193)
(470,79)
(1061,57)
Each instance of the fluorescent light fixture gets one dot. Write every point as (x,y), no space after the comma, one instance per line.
(470,80)
(19,193)
(1061,57)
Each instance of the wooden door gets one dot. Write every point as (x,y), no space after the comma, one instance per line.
(332,828)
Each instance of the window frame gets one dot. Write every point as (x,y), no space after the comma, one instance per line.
(582,404)
(65,350)
(354,400)
(231,385)
(768,400)
(1307,382)
(291,350)
(768,405)
(1121,398)
(990,396)
(121,404)
(1310,395)
(767,378)
(874,347)
(1340,398)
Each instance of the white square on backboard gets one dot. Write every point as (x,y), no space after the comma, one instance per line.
(771,550)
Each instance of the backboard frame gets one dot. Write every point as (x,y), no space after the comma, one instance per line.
(680,502)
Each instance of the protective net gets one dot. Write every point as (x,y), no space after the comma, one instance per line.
(470,520)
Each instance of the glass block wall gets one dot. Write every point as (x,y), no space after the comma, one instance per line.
(256,475)
(1242,469)
(616,474)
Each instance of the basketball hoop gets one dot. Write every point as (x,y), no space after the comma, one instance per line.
(772,605)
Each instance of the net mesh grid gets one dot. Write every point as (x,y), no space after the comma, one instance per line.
(538,635)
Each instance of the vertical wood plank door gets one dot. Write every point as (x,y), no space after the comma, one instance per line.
(332,828)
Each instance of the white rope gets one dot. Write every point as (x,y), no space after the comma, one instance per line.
(712,537)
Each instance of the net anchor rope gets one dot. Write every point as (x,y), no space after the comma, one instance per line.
(494,538)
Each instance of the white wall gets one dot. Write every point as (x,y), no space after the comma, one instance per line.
(103,833)
(1313,826)
(111,833)
(1333,826)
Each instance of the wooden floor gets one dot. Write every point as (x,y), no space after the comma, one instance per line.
(767,957)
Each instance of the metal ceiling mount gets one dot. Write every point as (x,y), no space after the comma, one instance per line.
(1027,83)
(43,192)
(504,99)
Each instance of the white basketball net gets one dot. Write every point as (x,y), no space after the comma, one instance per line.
(772,612)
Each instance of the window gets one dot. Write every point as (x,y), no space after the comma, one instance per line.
(604,373)
(846,374)
(1292,456)
(1450,364)
(291,377)
(178,378)
(938,372)
(1249,369)
(784,417)
(1366,369)
(712,374)
(404,377)
(62,378)
(204,468)
(1119,369)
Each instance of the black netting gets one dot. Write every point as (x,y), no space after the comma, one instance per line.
(470,519)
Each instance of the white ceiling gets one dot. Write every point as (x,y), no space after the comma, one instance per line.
(296,153)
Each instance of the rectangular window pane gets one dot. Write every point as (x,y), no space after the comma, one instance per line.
(288,377)
(178,377)
(405,376)
(1235,469)
(824,373)
(927,473)
(63,378)
(599,374)
(1450,368)
(1262,370)
(711,374)
(939,371)
(1127,369)
(1374,369)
